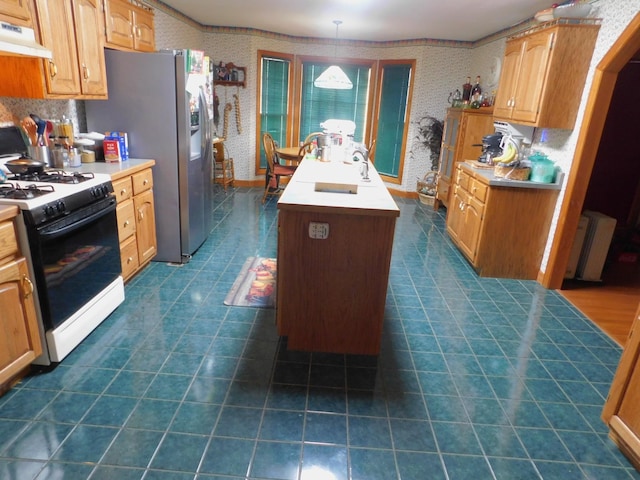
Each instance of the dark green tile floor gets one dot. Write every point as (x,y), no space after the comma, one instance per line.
(477,379)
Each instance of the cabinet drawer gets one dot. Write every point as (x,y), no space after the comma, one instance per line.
(478,190)
(126,220)
(8,242)
(129,256)
(142,181)
(122,189)
(462,179)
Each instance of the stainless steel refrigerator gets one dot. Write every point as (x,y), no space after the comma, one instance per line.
(168,117)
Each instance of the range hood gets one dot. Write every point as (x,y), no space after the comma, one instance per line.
(17,40)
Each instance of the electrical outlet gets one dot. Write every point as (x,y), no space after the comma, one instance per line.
(319,231)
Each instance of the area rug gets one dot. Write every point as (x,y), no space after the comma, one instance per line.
(255,285)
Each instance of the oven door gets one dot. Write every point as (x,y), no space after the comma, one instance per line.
(74,259)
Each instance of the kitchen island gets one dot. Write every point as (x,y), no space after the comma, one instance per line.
(334,255)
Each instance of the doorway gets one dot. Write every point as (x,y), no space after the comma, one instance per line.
(624,53)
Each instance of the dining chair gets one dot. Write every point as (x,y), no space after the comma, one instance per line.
(274,169)
(311,137)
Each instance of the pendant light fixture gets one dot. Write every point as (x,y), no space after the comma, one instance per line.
(334,77)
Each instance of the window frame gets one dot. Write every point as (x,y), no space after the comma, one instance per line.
(262,54)
(407,113)
(374,98)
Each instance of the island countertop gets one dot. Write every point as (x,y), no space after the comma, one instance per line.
(372,197)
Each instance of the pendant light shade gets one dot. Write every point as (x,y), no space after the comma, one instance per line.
(334,77)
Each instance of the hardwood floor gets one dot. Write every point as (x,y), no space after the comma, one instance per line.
(612,303)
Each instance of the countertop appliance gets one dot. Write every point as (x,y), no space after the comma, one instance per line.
(68,232)
(490,148)
(168,117)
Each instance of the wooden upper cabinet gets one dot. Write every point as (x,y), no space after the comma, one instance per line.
(543,75)
(129,26)
(16,12)
(89,26)
(55,20)
(74,32)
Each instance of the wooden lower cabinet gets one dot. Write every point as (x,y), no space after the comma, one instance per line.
(502,231)
(621,412)
(136,221)
(19,333)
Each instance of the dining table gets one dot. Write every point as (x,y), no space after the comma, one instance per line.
(289,154)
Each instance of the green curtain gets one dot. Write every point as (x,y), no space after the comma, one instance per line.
(274,101)
(392,118)
(320,104)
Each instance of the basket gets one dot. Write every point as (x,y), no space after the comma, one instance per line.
(426,199)
(427,188)
(512,173)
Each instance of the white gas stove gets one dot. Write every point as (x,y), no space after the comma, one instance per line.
(68,232)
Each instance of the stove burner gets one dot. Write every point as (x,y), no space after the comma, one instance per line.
(54,176)
(16,192)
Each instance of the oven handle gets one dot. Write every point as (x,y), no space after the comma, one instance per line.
(80,223)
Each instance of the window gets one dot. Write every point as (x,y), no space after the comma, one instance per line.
(274,101)
(289,122)
(320,104)
(391,126)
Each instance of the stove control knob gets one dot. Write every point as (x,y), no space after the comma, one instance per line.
(49,210)
(60,206)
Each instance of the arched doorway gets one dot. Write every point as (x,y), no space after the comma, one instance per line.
(623,50)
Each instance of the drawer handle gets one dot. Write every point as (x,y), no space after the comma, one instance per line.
(29,286)
(53,69)
(126,223)
(145,181)
(129,259)
(123,192)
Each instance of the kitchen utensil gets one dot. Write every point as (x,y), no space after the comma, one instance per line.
(48,131)
(30,128)
(41,126)
(24,165)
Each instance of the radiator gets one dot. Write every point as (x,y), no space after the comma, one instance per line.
(596,245)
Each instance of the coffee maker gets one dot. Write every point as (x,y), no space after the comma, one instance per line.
(490,148)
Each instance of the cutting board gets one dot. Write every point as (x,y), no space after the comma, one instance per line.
(477,164)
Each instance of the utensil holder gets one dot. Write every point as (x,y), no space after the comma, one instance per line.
(42,154)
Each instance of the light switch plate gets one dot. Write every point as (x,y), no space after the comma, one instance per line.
(319,231)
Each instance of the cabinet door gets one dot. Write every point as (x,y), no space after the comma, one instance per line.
(119,24)
(503,105)
(531,82)
(16,12)
(145,226)
(19,334)
(89,26)
(447,155)
(55,19)
(472,227)
(455,213)
(144,34)
(621,411)
(473,126)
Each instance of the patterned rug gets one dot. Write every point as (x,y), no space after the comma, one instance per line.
(255,285)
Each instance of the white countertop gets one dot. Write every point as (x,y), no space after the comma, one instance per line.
(372,197)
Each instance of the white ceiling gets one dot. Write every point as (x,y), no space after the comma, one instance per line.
(375,20)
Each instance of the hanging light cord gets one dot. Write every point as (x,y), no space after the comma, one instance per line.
(335,51)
